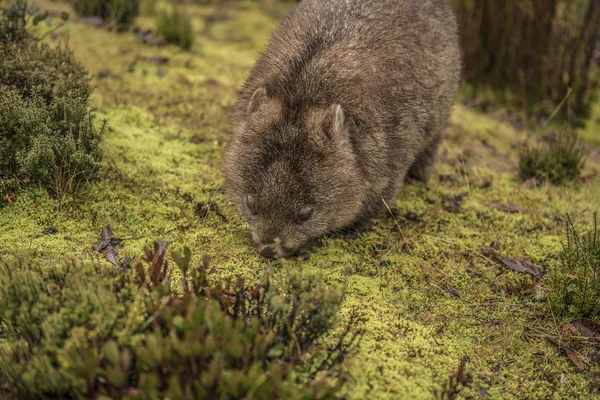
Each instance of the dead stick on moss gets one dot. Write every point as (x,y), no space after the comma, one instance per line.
(560,105)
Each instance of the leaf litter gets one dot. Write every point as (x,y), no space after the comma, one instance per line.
(575,359)
(587,328)
(106,245)
(516,264)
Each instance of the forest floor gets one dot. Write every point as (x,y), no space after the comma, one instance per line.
(428,294)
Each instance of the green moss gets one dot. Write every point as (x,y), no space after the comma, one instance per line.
(162,157)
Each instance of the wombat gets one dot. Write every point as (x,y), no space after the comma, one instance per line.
(347,102)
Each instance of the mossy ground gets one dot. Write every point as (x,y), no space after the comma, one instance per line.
(429,296)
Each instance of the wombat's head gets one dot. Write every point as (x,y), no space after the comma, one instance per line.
(293,175)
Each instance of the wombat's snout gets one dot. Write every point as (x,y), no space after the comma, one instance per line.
(272,248)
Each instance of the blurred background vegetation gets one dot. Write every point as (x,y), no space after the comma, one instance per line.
(523,55)
(529,52)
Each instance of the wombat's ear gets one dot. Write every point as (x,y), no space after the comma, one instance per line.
(257,100)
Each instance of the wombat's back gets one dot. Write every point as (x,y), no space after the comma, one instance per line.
(392,52)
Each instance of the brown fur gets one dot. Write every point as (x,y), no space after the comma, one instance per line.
(348,100)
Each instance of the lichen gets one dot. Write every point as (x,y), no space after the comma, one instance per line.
(428,295)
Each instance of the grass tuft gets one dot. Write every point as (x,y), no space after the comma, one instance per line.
(176,28)
(119,12)
(558,161)
(575,282)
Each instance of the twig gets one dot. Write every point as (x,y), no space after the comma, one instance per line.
(557,109)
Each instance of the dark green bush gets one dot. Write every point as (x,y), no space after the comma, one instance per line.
(175,27)
(47,135)
(120,12)
(575,282)
(558,161)
(87,330)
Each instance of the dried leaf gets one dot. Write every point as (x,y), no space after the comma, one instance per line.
(575,359)
(587,328)
(112,255)
(509,208)
(593,326)
(516,264)
(106,245)
(107,238)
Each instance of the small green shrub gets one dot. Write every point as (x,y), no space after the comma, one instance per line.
(559,161)
(89,330)
(47,135)
(51,315)
(175,27)
(120,12)
(575,282)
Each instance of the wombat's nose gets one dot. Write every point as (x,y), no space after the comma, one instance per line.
(268,252)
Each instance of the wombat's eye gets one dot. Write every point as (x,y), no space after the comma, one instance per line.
(304,216)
